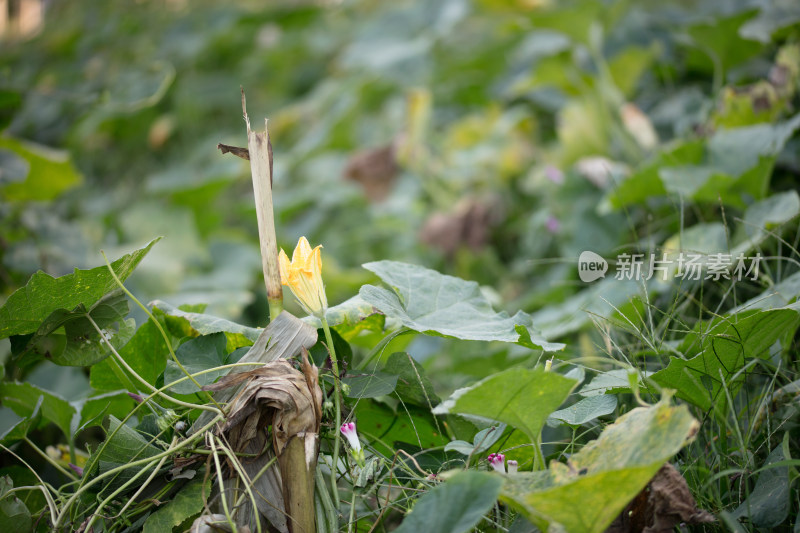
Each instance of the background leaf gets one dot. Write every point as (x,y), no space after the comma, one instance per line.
(769,503)
(28,306)
(724,347)
(24,398)
(598,481)
(196,355)
(457,309)
(455,506)
(519,397)
(584,410)
(187,502)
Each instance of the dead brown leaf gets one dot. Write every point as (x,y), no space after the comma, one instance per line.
(375,169)
(664,503)
(469,224)
(276,395)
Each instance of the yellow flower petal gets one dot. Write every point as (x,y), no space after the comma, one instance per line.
(284,267)
(303,275)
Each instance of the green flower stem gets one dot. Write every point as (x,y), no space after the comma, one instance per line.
(337,409)
(351,522)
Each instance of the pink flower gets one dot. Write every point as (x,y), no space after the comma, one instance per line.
(348,429)
(498,462)
(512,466)
(77,469)
(554,174)
(552,224)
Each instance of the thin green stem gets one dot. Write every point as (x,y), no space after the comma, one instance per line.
(144,461)
(124,487)
(352,512)
(221,486)
(337,410)
(233,461)
(160,329)
(51,461)
(330,512)
(381,345)
(51,503)
(538,457)
(145,484)
(147,385)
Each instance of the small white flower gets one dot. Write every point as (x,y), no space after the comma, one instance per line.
(348,429)
(512,466)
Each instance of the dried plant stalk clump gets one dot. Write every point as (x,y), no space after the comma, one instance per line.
(281,400)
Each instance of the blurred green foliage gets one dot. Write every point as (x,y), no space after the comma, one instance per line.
(492,140)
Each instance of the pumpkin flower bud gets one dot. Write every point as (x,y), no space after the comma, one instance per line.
(303,275)
(497,461)
(513,466)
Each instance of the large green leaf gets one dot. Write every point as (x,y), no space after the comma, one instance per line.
(732,164)
(69,338)
(207,324)
(122,446)
(413,385)
(25,398)
(723,346)
(456,506)
(588,492)
(769,503)
(49,172)
(196,355)
(429,302)
(14,514)
(187,502)
(719,45)
(146,353)
(20,430)
(519,397)
(584,410)
(28,306)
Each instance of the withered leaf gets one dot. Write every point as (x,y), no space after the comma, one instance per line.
(375,169)
(664,503)
(276,394)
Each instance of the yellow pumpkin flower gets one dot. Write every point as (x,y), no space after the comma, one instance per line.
(303,275)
